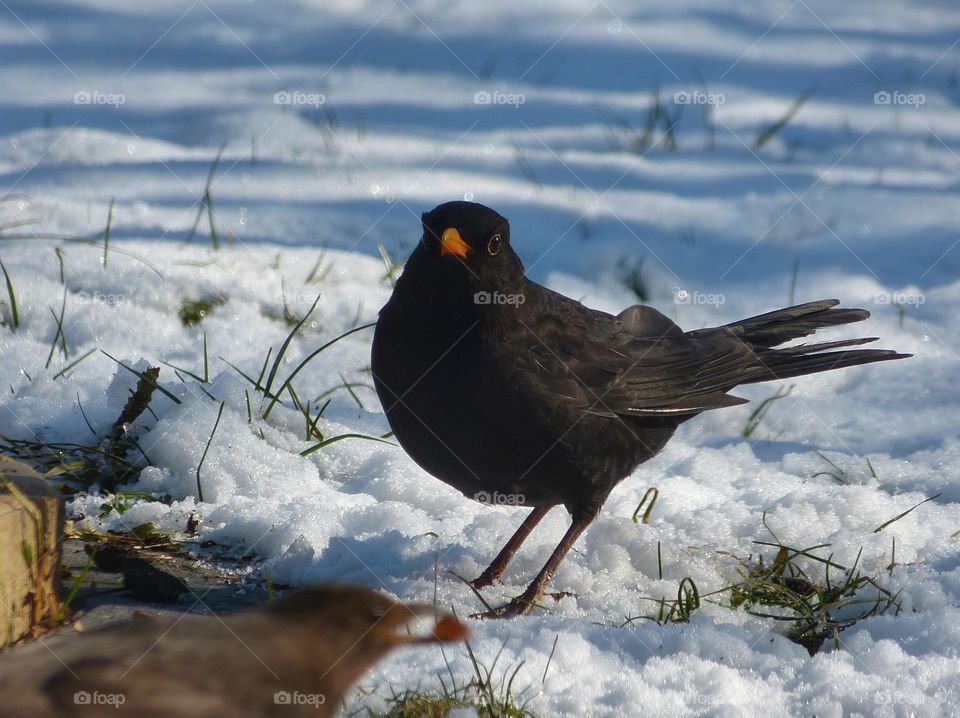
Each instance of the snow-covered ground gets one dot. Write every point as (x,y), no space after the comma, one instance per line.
(341,122)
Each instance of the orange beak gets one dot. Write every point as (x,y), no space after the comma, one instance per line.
(452,243)
(446,629)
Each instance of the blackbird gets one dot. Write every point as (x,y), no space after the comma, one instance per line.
(515,394)
(297,656)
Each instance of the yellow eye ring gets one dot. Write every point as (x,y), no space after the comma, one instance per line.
(493,246)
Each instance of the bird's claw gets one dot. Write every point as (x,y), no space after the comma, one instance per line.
(483,581)
(519,606)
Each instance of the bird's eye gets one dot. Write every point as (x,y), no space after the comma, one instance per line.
(493,246)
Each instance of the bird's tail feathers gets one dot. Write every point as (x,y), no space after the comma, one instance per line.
(766,331)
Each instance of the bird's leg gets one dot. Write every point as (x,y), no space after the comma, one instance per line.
(499,564)
(527,600)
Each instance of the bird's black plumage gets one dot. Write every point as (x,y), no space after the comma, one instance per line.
(499,386)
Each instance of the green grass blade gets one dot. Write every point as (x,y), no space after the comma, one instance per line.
(327,442)
(884,525)
(207,448)
(306,361)
(278,360)
(145,378)
(14,312)
(106,233)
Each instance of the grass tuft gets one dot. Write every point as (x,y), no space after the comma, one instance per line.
(756,416)
(816,607)
(65,372)
(631,274)
(490,693)
(774,128)
(659,127)
(194,311)
(61,335)
(206,203)
(104,464)
(793,282)
(680,610)
(391,265)
(526,169)
(652,493)
(318,275)
(11,295)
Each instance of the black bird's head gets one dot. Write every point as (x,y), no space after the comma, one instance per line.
(473,240)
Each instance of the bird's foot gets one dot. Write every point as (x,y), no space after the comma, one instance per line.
(485,580)
(519,606)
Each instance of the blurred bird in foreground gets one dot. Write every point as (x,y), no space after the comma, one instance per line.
(296,656)
(503,388)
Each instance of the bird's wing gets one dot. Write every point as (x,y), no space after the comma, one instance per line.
(636,364)
(94,685)
(167,666)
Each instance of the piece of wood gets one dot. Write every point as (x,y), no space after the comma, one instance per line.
(31,529)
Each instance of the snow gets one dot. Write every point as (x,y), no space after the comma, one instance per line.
(109,101)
